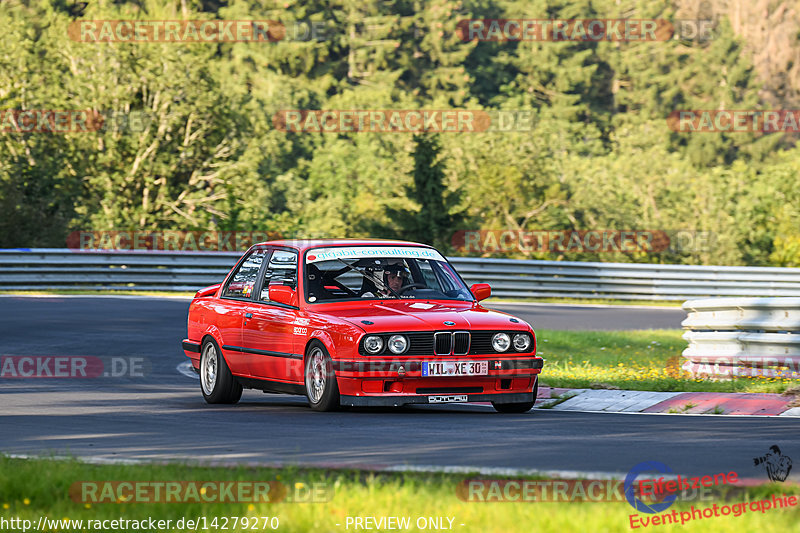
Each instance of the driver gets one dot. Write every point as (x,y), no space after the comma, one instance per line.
(395,276)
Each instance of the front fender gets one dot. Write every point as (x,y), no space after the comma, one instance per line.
(325,338)
(214,331)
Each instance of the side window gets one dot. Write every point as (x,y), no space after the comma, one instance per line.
(281,270)
(243,280)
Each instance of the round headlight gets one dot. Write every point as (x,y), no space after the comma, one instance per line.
(398,344)
(522,342)
(373,344)
(501,342)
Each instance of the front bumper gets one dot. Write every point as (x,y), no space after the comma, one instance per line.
(396,401)
(385,382)
(192,350)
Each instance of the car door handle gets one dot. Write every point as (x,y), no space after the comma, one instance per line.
(248,315)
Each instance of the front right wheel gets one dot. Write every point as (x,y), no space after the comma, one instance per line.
(321,387)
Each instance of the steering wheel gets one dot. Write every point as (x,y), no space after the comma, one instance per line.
(404,288)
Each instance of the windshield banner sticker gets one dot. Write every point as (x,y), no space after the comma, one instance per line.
(328,254)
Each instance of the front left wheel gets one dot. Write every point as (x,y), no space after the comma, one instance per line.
(321,387)
(216,381)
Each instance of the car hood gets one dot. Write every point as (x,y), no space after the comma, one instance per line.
(416,315)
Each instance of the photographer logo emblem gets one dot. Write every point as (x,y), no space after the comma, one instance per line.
(776,464)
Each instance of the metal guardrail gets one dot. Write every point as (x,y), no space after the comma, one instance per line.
(625,281)
(47,268)
(743,337)
(55,268)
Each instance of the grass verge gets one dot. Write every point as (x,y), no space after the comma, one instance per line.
(639,360)
(32,488)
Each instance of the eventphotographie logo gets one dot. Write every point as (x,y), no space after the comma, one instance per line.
(632,495)
(653,495)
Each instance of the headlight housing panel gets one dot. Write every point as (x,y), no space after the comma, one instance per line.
(373,344)
(522,342)
(423,343)
(398,344)
(501,342)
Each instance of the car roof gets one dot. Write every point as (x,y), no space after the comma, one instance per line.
(305,244)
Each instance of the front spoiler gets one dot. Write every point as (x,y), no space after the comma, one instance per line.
(396,401)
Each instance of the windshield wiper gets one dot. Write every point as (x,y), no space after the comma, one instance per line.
(369,276)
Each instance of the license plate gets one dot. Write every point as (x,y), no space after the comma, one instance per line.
(447,399)
(455,368)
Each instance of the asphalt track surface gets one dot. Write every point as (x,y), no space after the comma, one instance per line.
(161,415)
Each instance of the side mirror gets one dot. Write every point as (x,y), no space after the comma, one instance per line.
(481,291)
(208,291)
(283,294)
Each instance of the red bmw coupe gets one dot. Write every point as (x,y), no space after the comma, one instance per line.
(358,323)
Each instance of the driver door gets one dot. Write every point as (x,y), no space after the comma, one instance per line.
(269,330)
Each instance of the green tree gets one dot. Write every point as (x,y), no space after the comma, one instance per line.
(434,217)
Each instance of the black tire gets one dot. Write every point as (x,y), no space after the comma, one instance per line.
(521,407)
(322,390)
(217,384)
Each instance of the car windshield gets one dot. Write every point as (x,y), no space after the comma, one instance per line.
(381,272)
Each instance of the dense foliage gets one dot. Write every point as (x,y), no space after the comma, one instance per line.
(195,146)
